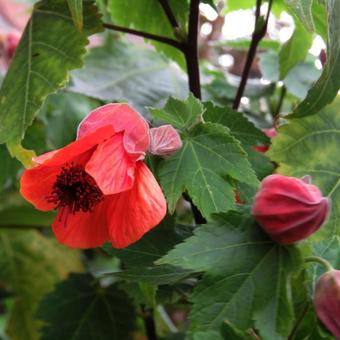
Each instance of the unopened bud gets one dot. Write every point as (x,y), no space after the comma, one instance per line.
(327,301)
(165,140)
(289,209)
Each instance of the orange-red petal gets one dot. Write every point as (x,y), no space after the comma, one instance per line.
(36,184)
(82,230)
(123,118)
(71,151)
(111,166)
(132,213)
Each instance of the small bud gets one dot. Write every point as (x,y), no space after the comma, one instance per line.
(270,133)
(289,209)
(165,140)
(327,301)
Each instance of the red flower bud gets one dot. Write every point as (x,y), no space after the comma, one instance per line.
(289,209)
(327,301)
(271,133)
(165,140)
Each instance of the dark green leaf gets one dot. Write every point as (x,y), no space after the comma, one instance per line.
(180,114)
(247,277)
(121,71)
(326,88)
(79,308)
(152,245)
(49,48)
(209,155)
(31,265)
(149,16)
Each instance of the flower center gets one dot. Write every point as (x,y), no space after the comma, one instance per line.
(75,189)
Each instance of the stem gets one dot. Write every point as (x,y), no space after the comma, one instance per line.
(149,323)
(165,40)
(191,50)
(169,13)
(166,318)
(298,322)
(257,36)
(321,261)
(280,102)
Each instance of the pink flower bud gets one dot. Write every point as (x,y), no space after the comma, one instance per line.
(270,133)
(165,140)
(11,44)
(327,301)
(289,209)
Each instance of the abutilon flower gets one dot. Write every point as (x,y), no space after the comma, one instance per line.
(99,183)
(327,301)
(289,209)
(165,140)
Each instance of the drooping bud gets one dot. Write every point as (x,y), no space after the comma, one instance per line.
(270,133)
(289,209)
(327,301)
(165,140)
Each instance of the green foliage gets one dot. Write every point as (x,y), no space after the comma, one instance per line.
(80,308)
(239,261)
(31,264)
(41,64)
(180,114)
(309,146)
(209,156)
(326,88)
(294,50)
(128,14)
(120,71)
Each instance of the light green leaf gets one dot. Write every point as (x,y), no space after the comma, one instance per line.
(294,50)
(49,48)
(180,114)
(247,277)
(31,265)
(149,16)
(121,71)
(209,156)
(303,10)
(76,8)
(310,146)
(79,308)
(326,88)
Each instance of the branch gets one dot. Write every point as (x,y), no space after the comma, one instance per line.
(168,11)
(191,50)
(258,34)
(165,40)
(149,323)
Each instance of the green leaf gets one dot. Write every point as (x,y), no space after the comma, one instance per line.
(158,275)
(180,114)
(153,20)
(76,8)
(209,156)
(303,10)
(120,71)
(40,66)
(326,88)
(310,146)
(247,277)
(31,265)
(79,308)
(294,50)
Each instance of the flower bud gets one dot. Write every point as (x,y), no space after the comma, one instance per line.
(327,301)
(270,133)
(165,140)
(12,43)
(289,209)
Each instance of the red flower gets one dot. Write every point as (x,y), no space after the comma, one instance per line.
(289,209)
(99,183)
(327,301)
